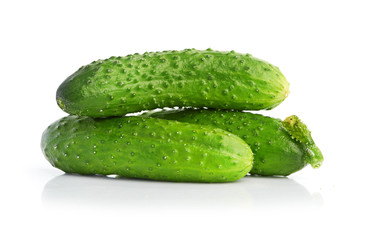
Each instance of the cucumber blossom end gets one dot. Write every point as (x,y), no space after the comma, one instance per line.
(299,132)
(60,103)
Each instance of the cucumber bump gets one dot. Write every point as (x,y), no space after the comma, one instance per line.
(280,148)
(188,78)
(146,148)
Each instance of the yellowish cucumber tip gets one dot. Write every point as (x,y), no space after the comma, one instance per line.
(60,102)
(290,121)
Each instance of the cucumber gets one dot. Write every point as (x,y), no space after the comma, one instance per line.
(146,148)
(280,148)
(195,78)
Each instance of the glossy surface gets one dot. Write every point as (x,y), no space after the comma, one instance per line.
(196,78)
(321,47)
(277,150)
(146,148)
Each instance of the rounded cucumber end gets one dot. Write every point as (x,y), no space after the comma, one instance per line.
(314,156)
(60,103)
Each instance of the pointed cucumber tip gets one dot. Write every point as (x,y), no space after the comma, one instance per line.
(316,157)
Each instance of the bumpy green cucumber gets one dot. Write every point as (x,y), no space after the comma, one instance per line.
(280,148)
(146,148)
(213,79)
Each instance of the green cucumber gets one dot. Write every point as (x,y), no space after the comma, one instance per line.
(146,148)
(279,147)
(195,78)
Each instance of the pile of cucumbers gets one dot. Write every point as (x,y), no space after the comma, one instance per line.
(203,135)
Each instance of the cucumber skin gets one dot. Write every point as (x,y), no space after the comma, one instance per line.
(196,78)
(276,153)
(146,148)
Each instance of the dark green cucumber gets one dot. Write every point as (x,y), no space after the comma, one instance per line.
(146,148)
(195,78)
(280,148)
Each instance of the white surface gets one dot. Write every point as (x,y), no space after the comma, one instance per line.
(320,46)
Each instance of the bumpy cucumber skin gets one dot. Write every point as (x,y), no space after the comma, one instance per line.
(276,153)
(146,148)
(195,78)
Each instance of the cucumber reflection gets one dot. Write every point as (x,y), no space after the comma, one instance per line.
(249,192)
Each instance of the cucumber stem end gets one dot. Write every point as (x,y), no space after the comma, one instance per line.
(299,132)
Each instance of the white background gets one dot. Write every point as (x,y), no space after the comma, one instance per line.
(320,46)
